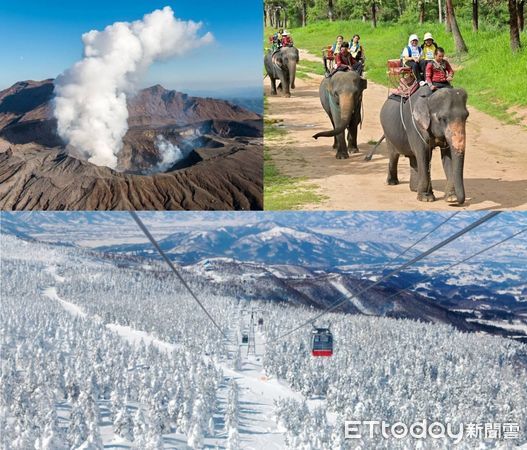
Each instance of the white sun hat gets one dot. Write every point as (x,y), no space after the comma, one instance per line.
(428,36)
(413,37)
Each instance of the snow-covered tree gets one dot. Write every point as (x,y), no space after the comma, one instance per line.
(123,424)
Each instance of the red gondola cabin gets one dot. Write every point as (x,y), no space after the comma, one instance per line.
(322,343)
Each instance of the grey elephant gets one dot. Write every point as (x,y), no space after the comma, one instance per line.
(424,121)
(281,66)
(341,98)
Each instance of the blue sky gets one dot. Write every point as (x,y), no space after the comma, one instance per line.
(40,39)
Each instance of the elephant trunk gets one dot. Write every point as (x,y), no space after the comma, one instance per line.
(456,139)
(292,72)
(346,111)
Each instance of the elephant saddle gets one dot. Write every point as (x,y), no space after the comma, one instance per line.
(406,88)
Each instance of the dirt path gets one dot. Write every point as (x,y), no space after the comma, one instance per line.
(495,165)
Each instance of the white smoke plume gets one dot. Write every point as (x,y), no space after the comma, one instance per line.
(170,154)
(90,103)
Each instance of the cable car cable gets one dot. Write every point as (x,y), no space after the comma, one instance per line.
(420,240)
(391,260)
(167,260)
(459,262)
(395,271)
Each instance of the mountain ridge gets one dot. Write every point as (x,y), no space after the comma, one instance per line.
(221,170)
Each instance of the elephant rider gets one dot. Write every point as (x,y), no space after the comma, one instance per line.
(356,49)
(276,40)
(411,55)
(429,48)
(337,45)
(287,40)
(344,61)
(439,72)
(328,53)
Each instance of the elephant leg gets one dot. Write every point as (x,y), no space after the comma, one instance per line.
(335,142)
(392,165)
(450,192)
(352,134)
(342,151)
(340,139)
(284,85)
(273,85)
(414,174)
(424,183)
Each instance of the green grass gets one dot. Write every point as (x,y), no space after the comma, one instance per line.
(282,192)
(494,77)
(311,66)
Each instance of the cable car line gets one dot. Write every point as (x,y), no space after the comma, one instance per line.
(459,262)
(420,240)
(143,228)
(391,260)
(419,257)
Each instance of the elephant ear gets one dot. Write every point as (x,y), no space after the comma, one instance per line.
(277,60)
(421,112)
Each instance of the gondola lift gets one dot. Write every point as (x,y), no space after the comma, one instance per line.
(322,342)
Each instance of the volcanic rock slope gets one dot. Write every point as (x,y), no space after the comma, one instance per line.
(222,172)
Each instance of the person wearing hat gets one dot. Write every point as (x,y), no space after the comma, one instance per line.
(429,48)
(287,41)
(411,55)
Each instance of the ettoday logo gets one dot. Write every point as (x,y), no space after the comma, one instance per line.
(423,429)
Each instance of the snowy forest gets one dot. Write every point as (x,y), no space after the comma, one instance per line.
(109,350)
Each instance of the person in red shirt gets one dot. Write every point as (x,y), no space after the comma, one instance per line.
(344,61)
(287,40)
(439,72)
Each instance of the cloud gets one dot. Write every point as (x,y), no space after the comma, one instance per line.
(90,102)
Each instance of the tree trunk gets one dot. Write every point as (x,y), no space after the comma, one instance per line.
(513,24)
(461,47)
(304,13)
(400,7)
(421,12)
(448,15)
(374,14)
(330,10)
(265,17)
(440,11)
(475,15)
(521,19)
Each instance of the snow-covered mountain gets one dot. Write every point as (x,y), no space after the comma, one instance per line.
(265,242)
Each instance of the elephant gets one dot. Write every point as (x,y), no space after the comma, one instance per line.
(281,65)
(413,128)
(341,98)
